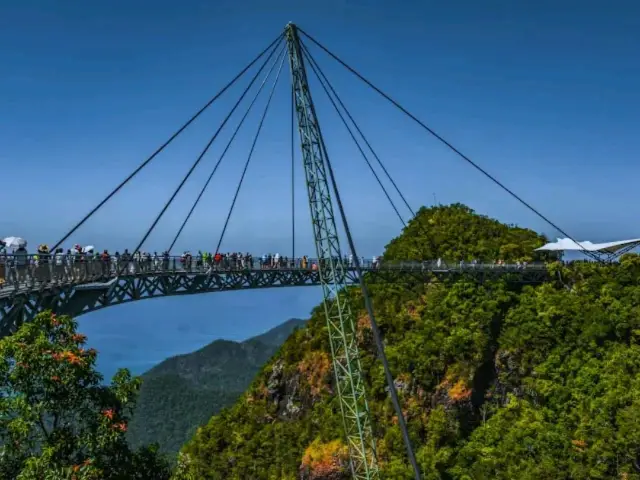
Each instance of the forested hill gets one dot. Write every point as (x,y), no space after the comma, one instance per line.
(182,392)
(497,381)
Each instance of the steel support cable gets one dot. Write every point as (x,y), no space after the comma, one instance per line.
(449,145)
(224,152)
(164,145)
(253,145)
(204,151)
(353,137)
(312,62)
(293,178)
(374,325)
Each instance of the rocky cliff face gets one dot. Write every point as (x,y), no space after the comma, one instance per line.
(495,380)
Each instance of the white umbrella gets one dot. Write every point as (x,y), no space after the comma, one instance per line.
(15,242)
(88,248)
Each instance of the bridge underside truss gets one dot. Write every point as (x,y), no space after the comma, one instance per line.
(78,299)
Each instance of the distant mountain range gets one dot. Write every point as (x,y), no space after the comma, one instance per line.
(183,392)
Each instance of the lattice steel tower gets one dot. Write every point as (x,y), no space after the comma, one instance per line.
(340,320)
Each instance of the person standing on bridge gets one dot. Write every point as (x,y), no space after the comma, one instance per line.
(105,263)
(21,260)
(59,267)
(42,269)
(3,261)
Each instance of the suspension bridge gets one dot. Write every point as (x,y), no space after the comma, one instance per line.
(81,284)
(76,288)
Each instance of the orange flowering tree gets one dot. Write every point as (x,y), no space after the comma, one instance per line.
(57,419)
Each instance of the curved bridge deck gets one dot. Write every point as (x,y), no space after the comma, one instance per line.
(82,287)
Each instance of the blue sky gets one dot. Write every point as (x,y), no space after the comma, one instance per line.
(542,94)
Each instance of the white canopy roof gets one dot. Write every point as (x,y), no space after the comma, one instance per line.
(568,244)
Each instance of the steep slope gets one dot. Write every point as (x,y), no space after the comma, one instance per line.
(497,381)
(277,336)
(182,392)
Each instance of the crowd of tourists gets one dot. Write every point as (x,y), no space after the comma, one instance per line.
(20,256)
(80,262)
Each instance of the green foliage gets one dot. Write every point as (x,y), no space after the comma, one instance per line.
(183,392)
(56,419)
(455,233)
(496,381)
(171,408)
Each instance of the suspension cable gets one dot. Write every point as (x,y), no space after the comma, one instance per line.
(449,145)
(293,178)
(253,145)
(353,137)
(317,69)
(164,145)
(224,152)
(369,307)
(313,63)
(204,151)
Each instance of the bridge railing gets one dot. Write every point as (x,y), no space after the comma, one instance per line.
(34,271)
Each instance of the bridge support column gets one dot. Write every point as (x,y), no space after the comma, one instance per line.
(333,278)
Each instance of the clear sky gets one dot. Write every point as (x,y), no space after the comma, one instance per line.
(542,94)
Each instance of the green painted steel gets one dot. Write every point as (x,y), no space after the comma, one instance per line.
(340,320)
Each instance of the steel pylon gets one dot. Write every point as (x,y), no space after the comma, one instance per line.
(340,321)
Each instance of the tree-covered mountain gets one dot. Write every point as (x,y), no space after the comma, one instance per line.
(182,392)
(497,380)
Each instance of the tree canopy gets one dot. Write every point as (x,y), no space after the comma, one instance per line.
(57,420)
(455,232)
